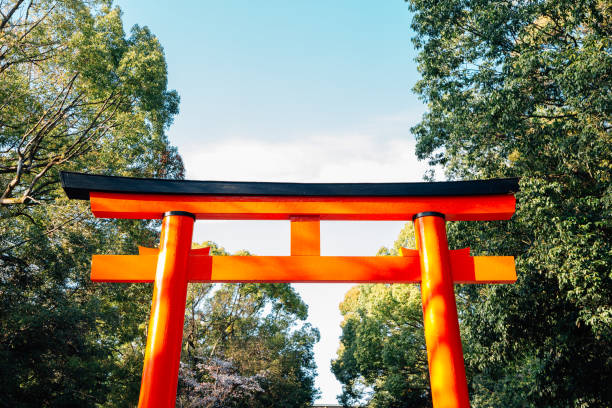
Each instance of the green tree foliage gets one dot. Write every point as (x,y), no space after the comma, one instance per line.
(524,89)
(382,360)
(243,346)
(76,93)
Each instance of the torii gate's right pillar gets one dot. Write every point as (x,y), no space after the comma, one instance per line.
(442,337)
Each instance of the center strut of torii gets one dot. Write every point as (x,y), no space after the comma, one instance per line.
(175,264)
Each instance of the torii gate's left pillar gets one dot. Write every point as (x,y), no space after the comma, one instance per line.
(165,336)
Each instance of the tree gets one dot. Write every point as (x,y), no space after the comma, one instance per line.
(75,94)
(216,383)
(523,89)
(382,360)
(73,88)
(243,346)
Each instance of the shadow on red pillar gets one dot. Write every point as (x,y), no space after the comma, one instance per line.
(442,337)
(163,351)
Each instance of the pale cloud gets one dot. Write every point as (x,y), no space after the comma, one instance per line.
(346,157)
(375,149)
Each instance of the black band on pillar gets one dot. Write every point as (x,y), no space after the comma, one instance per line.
(428,214)
(185,213)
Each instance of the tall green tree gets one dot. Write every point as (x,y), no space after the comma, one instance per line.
(76,93)
(244,345)
(524,89)
(382,360)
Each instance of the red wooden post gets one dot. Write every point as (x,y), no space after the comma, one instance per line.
(163,351)
(442,337)
(305,236)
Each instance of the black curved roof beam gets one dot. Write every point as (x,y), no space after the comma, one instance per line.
(79,185)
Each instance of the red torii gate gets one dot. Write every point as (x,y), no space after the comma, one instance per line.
(175,264)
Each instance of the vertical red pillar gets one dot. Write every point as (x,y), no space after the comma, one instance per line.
(444,351)
(163,351)
(305,236)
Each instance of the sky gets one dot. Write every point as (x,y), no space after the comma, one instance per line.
(309,91)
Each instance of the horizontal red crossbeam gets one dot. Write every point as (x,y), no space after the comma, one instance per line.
(152,206)
(387,269)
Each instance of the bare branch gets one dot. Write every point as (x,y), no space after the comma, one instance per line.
(9,15)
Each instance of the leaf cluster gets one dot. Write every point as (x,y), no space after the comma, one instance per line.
(524,89)
(76,93)
(254,331)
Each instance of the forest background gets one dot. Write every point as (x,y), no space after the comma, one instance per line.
(512,89)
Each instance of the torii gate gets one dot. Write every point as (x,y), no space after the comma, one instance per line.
(175,264)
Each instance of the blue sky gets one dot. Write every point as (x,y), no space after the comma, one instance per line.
(275,90)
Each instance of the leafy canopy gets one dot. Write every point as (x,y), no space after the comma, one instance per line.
(524,89)
(76,93)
